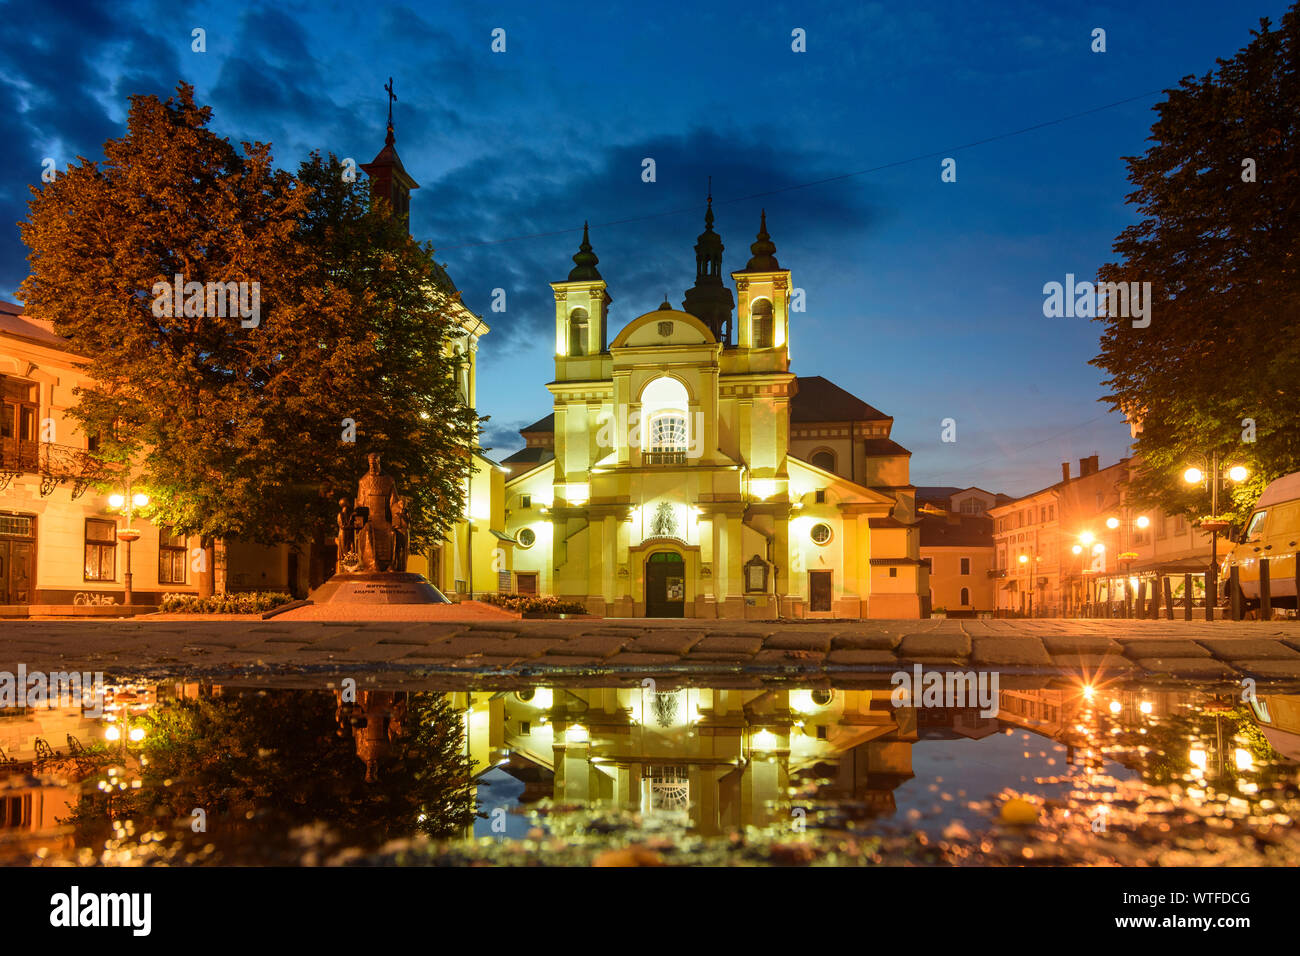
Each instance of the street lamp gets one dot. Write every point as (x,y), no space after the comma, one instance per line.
(1194,476)
(127,504)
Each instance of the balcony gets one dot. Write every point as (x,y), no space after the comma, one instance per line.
(663,458)
(54,464)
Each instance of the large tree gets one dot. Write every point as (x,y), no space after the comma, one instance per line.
(1219,364)
(239,426)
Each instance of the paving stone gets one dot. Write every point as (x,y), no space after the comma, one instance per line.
(946,646)
(731,644)
(1248,648)
(587,646)
(799,641)
(1079,644)
(858,657)
(665,642)
(1171,647)
(1273,668)
(1192,667)
(1017,651)
(865,641)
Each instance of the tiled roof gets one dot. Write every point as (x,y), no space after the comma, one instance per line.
(966,531)
(546,424)
(820,400)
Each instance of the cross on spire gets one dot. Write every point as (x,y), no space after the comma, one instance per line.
(388,88)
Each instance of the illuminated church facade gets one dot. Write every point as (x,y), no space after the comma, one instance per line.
(686,471)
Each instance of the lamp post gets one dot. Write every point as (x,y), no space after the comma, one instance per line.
(1194,476)
(128,503)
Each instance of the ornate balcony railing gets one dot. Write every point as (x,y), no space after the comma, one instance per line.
(664,457)
(55,464)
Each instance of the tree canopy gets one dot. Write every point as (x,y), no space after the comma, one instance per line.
(1219,364)
(239,424)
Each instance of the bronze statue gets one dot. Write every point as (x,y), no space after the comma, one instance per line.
(401,533)
(344,539)
(375,492)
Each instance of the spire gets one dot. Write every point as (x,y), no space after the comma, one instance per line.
(388,178)
(764,250)
(665,305)
(710,300)
(585,261)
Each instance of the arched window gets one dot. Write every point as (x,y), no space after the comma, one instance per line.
(825,460)
(578,332)
(760,324)
(665,429)
(965,597)
(972,506)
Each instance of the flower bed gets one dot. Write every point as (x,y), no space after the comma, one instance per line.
(246,602)
(531,604)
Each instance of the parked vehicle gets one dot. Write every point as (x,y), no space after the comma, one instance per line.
(1271,534)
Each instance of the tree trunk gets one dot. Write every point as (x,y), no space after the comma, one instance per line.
(206,575)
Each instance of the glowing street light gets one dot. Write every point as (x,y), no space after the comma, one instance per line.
(1112,523)
(1193,476)
(1237,473)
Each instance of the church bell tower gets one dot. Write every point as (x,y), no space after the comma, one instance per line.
(709,300)
(389,180)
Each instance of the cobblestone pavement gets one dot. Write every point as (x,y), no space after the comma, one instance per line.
(480,652)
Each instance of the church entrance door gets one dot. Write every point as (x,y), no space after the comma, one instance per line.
(665,585)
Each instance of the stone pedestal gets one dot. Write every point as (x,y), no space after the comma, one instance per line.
(378,587)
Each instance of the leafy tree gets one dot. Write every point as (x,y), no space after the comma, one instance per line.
(1219,192)
(237,425)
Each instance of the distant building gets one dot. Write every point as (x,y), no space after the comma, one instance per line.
(958,549)
(685,471)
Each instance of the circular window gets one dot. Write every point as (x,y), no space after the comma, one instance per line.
(526,537)
(525,695)
(822,697)
(821,533)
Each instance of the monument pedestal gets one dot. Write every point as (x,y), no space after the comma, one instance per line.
(377,587)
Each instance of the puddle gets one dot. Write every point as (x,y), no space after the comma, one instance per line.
(195,772)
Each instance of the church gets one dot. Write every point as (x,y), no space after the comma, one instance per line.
(686,471)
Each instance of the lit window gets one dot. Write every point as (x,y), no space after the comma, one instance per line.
(760,324)
(101,550)
(578,332)
(668,433)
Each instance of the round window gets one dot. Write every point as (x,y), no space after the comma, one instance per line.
(821,533)
(526,537)
(822,697)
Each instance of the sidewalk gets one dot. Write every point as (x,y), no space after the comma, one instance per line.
(505,647)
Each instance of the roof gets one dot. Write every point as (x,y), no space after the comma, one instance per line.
(1286,488)
(13,322)
(546,424)
(958,531)
(877,447)
(820,400)
(532,455)
(936,492)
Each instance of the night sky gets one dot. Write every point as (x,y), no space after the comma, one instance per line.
(924,298)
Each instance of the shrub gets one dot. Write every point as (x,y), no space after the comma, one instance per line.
(244,602)
(532,604)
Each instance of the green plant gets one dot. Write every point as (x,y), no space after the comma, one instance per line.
(532,604)
(249,602)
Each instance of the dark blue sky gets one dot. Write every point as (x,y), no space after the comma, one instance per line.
(924,298)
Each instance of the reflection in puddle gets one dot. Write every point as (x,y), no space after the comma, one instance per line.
(189,772)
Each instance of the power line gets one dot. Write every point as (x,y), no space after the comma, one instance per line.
(815,182)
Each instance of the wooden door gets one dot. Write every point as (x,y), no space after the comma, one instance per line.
(665,585)
(819,591)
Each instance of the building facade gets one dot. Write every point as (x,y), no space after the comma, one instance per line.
(684,474)
(59,534)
